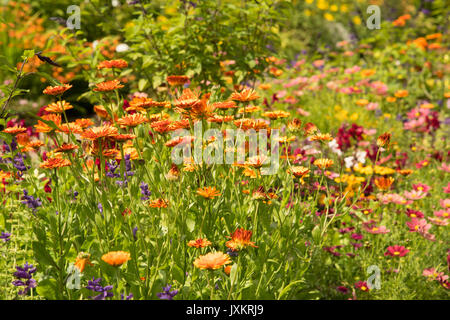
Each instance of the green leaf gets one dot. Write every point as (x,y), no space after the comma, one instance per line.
(190,223)
(47,288)
(42,255)
(142,84)
(286,289)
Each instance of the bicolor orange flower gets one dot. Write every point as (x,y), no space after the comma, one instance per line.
(299,171)
(52,163)
(277,114)
(177,80)
(245,95)
(323,163)
(199,243)
(66,147)
(58,107)
(158,203)
(187,100)
(84,123)
(108,86)
(240,239)
(57,90)
(83,260)
(384,183)
(321,137)
(108,64)
(225,105)
(15,130)
(132,120)
(384,140)
(45,128)
(99,132)
(295,125)
(310,128)
(208,192)
(212,261)
(116,258)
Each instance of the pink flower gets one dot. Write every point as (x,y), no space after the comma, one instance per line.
(396,251)
(418,225)
(446,189)
(442,214)
(421,187)
(415,195)
(372,106)
(362,285)
(445,203)
(414,213)
(445,167)
(376,230)
(438,222)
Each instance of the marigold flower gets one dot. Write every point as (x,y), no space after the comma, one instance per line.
(384,139)
(396,251)
(323,163)
(45,128)
(83,260)
(52,163)
(384,183)
(224,105)
(57,90)
(208,192)
(108,86)
(158,203)
(177,80)
(240,239)
(99,132)
(132,120)
(15,130)
(66,147)
(245,95)
(58,107)
(116,258)
(277,114)
(108,64)
(212,261)
(199,243)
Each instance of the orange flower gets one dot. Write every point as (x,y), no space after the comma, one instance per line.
(57,90)
(310,128)
(187,100)
(84,123)
(58,107)
(159,203)
(299,171)
(240,239)
(256,124)
(323,163)
(45,128)
(278,114)
(220,119)
(245,95)
(70,127)
(212,261)
(15,130)
(249,109)
(66,147)
(208,192)
(295,125)
(101,112)
(177,80)
(321,137)
(227,270)
(52,163)
(116,258)
(401,93)
(108,86)
(83,260)
(99,132)
(122,137)
(384,139)
(199,243)
(120,64)
(225,105)
(132,120)
(384,183)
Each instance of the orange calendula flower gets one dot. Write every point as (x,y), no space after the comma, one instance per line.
(245,95)
(384,183)
(249,109)
(240,239)
(208,192)
(321,137)
(278,114)
(100,132)
(177,80)
(70,127)
(45,128)
(84,123)
(310,128)
(295,125)
(384,139)
(158,203)
(15,130)
(188,99)
(82,260)
(227,270)
(212,261)
(401,93)
(108,64)
(323,163)
(57,90)
(225,105)
(132,120)
(299,171)
(199,243)
(66,147)
(52,163)
(116,258)
(108,86)
(58,107)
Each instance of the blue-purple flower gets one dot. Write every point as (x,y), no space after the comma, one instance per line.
(95,286)
(5,236)
(167,294)
(30,201)
(24,276)
(145,191)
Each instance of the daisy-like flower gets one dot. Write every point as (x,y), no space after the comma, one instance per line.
(256,161)
(240,239)
(277,114)
(132,120)
(208,192)
(377,230)
(66,147)
(108,86)
(70,127)
(321,137)
(116,258)
(57,90)
(199,243)
(295,125)
(84,123)
(101,112)
(323,163)
(249,109)
(310,128)
(362,285)
(188,99)
(212,261)
(256,124)
(45,128)
(299,171)
(83,260)
(158,203)
(52,163)
(384,183)
(177,80)
(15,130)
(58,107)
(245,95)
(108,64)
(396,251)
(401,93)
(96,133)
(225,105)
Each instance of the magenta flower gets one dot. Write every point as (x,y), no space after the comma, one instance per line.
(396,251)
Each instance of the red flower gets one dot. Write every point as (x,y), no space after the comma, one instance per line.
(396,251)
(362,285)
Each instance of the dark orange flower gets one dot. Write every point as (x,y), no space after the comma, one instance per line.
(208,192)
(132,120)
(108,86)
(323,163)
(70,127)
(187,100)
(212,261)
(108,64)
(225,105)
(45,128)
(277,114)
(310,128)
(295,125)
(116,258)
(384,140)
(240,239)
(52,163)
(384,183)
(66,147)
(100,132)
(177,80)
(158,203)
(245,95)
(83,260)
(122,137)
(84,123)
(15,130)
(199,243)
(57,90)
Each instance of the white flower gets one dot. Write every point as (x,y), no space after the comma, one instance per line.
(335,147)
(95,44)
(361,156)
(349,161)
(122,47)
